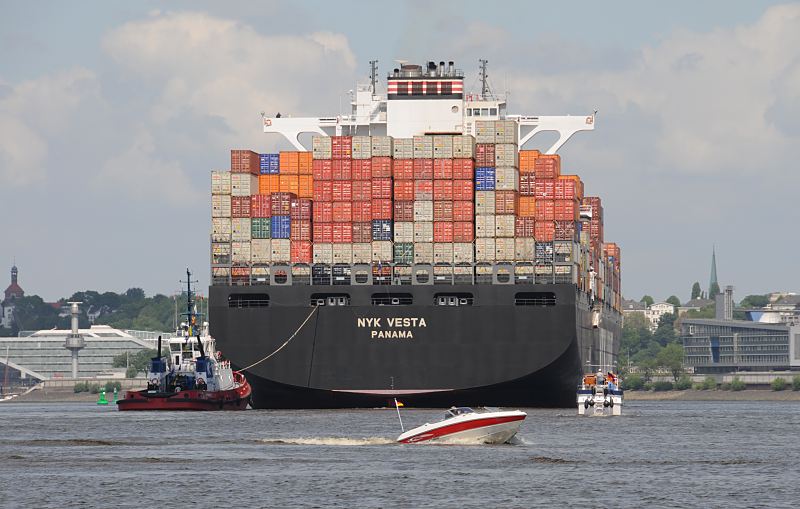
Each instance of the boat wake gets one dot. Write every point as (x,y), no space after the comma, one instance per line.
(332,441)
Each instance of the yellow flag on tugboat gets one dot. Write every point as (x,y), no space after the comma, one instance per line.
(399,403)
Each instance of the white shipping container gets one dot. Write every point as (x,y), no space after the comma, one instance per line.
(484,131)
(281,250)
(505,154)
(423,147)
(220,271)
(464,147)
(261,251)
(221,205)
(381,146)
(463,252)
(484,225)
(423,210)
(220,253)
(220,229)
(504,249)
(423,252)
(423,231)
(381,251)
(343,253)
(240,252)
(506,178)
(442,252)
(240,229)
(484,250)
(485,202)
(220,182)
(362,147)
(443,147)
(244,184)
(504,225)
(362,252)
(524,249)
(321,147)
(323,253)
(506,131)
(404,231)
(403,148)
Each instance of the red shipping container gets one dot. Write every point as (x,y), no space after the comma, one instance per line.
(362,232)
(240,206)
(403,169)
(381,167)
(547,166)
(463,169)
(423,189)
(362,211)
(545,210)
(382,188)
(382,209)
(323,232)
(443,231)
(544,231)
(566,210)
(281,203)
(343,191)
(484,154)
(443,169)
(342,147)
(260,205)
(362,169)
(423,169)
(527,185)
(300,209)
(464,211)
(443,211)
(544,189)
(343,169)
(525,227)
(443,190)
(463,231)
(300,229)
(463,190)
(322,212)
(403,210)
(404,190)
(300,251)
(564,230)
(342,212)
(362,190)
(245,161)
(505,202)
(322,169)
(323,190)
(342,233)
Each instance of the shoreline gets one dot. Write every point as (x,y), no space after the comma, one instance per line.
(714,395)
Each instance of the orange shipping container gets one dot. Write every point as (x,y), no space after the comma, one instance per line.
(463,169)
(423,190)
(505,202)
(342,212)
(547,166)
(305,188)
(443,231)
(545,210)
(463,190)
(527,160)
(527,206)
(300,230)
(268,184)
(544,231)
(323,190)
(566,210)
(304,163)
(289,163)
(404,190)
(464,211)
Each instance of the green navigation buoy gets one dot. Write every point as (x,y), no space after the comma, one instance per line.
(102,400)
(115,394)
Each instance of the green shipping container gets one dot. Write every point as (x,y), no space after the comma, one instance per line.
(260,227)
(404,252)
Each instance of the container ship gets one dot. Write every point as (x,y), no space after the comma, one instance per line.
(415,250)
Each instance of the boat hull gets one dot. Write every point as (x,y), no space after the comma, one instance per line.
(486,430)
(493,352)
(233,399)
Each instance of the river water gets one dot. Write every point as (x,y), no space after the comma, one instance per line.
(659,454)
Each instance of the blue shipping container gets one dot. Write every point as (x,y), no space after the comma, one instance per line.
(280,227)
(381,229)
(270,164)
(484,178)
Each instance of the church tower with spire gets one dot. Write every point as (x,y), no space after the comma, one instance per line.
(713,284)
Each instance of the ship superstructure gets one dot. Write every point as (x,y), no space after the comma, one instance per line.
(417,250)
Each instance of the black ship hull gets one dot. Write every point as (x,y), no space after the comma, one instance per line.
(496,345)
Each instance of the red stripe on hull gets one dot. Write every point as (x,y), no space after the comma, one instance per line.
(233,399)
(460,426)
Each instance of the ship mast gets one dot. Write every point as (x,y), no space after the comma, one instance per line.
(373,74)
(484,77)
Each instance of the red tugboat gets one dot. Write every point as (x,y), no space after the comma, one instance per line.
(188,378)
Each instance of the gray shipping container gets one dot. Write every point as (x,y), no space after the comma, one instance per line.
(485,202)
(381,251)
(343,253)
(281,250)
(423,210)
(404,231)
(423,252)
(484,225)
(321,147)
(240,252)
(463,252)
(423,231)
(484,250)
(423,147)
(504,225)
(506,154)
(362,147)
(484,131)
(381,146)
(362,252)
(261,251)
(403,148)
(220,229)
(220,182)
(443,147)
(221,205)
(464,146)
(323,253)
(442,252)
(240,229)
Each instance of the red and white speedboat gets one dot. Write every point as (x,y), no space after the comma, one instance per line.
(465,425)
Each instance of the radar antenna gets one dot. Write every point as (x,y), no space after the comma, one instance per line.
(484,77)
(373,73)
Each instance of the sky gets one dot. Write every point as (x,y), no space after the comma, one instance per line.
(113,114)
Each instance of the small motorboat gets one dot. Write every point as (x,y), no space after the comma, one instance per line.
(463,424)
(601,393)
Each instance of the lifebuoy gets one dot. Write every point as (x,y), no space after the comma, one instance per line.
(589,120)
(267,121)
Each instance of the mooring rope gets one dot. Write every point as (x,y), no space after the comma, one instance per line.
(313,310)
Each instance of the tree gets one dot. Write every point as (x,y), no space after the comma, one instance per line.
(635,334)
(754,301)
(665,332)
(647,300)
(135,293)
(713,290)
(671,358)
(675,301)
(696,291)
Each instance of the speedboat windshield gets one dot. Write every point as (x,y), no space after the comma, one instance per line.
(458,411)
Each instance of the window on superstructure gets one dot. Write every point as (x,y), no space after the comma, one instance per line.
(248,300)
(330,299)
(392,299)
(402,88)
(431,88)
(447,88)
(416,88)
(493,112)
(469,112)
(477,112)
(535,299)
(484,112)
(453,299)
